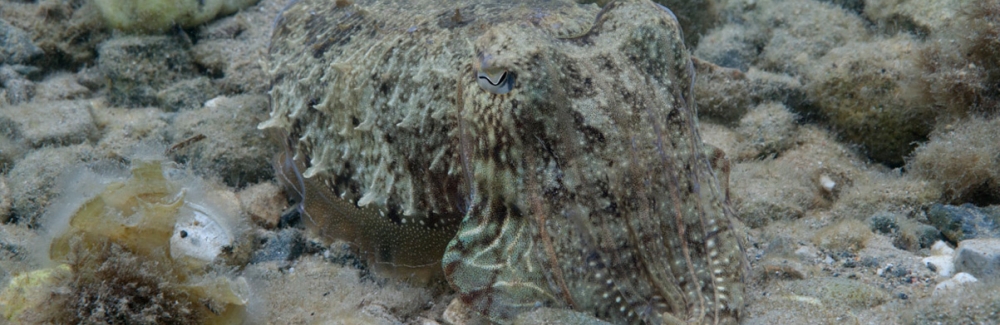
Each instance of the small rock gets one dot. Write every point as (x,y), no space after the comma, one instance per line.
(724,93)
(186,94)
(285,245)
(884,223)
(233,147)
(125,128)
(16,88)
(848,81)
(264,203)
(767,130)
(731,46)
(954,282)
(16,46)
(32,180)
(979,257)
(958,223)
(137,67)
(60,86)
(54,122)
(91,77)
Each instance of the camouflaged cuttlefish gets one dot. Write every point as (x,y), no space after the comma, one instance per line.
(543,153)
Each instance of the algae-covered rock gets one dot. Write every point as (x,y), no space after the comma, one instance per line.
(920,17)
(962,159)
(801,31)
(732,46)
(33,179)
(66,31)
(186,94)
(767,130)
(138,67)
(866,92)
(15,45)
(62,122)
(158,15)
(232,148)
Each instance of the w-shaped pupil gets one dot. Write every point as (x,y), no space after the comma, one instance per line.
(500,85)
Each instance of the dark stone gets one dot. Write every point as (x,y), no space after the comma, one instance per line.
(286,245)
(884,223)
(966,221)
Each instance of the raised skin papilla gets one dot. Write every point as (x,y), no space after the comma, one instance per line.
(562,147)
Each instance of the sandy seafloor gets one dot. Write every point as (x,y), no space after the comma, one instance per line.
(860,132)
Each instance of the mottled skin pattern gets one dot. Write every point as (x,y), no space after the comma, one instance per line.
(584,187)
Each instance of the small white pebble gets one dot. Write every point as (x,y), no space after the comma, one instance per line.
(827,183)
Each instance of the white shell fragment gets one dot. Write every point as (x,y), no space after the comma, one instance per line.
(198,235)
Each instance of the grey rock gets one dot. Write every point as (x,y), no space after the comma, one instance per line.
(16,46)
(732,46)
(979,257)
(187,94)
(958,223)
(60,122)
(905,233)
(884,223)
(285,245)
(32,181)
(137,67)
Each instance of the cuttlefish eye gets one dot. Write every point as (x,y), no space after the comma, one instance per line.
(497,83)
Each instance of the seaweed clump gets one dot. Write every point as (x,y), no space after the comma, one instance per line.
(142,251)
(962,66)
